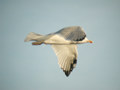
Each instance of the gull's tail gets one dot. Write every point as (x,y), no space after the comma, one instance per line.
(33,37)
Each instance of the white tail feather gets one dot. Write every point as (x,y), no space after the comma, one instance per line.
(32,36)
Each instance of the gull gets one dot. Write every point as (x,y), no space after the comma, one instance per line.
(64,43)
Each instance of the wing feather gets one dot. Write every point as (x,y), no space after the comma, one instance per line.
(67,54)
(74,33)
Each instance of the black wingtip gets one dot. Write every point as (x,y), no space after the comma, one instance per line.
(67,73)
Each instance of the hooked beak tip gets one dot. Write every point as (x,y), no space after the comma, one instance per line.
(90,41)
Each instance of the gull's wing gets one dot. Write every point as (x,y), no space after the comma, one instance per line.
(67,57)
(74,33)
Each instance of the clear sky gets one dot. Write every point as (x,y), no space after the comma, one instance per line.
(27,67)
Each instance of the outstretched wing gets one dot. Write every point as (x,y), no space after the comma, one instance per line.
(67,57)
(74,33)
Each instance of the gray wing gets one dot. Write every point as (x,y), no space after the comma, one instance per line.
(74,33)
(67,57)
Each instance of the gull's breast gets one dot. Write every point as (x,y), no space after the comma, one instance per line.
(57,39)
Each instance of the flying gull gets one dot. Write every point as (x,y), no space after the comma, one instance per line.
(64,43)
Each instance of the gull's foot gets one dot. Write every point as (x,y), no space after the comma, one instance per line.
(36,43)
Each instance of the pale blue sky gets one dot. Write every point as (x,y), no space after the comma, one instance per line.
(27,67)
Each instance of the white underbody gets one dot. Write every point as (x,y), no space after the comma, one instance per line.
(59,40)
